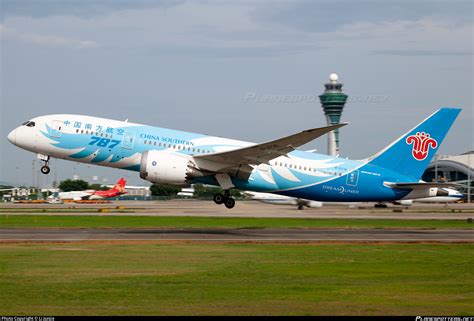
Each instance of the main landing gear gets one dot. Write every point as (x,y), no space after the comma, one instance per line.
(45,168)
(380,205)
(225,199)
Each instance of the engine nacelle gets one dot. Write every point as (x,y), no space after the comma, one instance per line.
(164,167)
(404,202)
(315,204)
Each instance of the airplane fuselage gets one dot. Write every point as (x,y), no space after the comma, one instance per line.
(121,144)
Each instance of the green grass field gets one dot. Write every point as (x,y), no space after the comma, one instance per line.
(144,278)
(105,221)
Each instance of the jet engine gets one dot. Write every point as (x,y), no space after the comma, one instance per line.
(404,202)
(165,167)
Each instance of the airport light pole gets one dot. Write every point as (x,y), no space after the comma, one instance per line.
(17,176)
(33,173)
(469,178)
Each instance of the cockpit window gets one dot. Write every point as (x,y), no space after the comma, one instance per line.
(31,124)
(25,123)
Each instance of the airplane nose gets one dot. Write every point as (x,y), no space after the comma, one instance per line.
(12,137)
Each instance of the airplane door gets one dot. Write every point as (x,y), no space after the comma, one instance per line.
(128,139)
(353,178)
(56,129)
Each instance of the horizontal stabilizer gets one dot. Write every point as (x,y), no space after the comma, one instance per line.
(422,185)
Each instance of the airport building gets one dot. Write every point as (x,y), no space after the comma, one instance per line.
(459,169)
(11,194)
(333,101)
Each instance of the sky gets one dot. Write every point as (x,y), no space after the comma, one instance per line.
(249,70)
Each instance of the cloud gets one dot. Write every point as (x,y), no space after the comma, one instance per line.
(328,15)
(80,8)
(240,51)
(45,40)
(416,52)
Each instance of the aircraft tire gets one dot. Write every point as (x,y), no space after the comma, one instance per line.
(219,198)
(45,170)
(229,203)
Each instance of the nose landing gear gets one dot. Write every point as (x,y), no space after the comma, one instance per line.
(45,168)
(225,199)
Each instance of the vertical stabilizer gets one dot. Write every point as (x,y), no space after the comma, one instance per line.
(411,153)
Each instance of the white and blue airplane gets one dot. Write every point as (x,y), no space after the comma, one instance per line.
(449,195)
(181,158)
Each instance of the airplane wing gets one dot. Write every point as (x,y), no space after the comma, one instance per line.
(264,152)
(421,185)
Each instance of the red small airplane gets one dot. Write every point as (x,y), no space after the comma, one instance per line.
(117,190)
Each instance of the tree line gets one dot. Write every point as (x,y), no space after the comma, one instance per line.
(201,191)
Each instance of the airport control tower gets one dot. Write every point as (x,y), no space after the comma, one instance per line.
(333,101)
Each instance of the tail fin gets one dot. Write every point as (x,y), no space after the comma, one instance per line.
(120,185)
(411,153)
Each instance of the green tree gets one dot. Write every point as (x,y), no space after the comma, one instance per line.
(164,190)
(206,191)
(73,185)
(202,191)
(98,187)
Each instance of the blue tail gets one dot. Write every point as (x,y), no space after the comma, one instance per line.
(411,153)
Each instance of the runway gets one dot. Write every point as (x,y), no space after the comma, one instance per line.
(207,208)
(236,235)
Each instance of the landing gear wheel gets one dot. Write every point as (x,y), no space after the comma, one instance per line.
(219,198)
(229,202)
(45,169)
(300,207)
